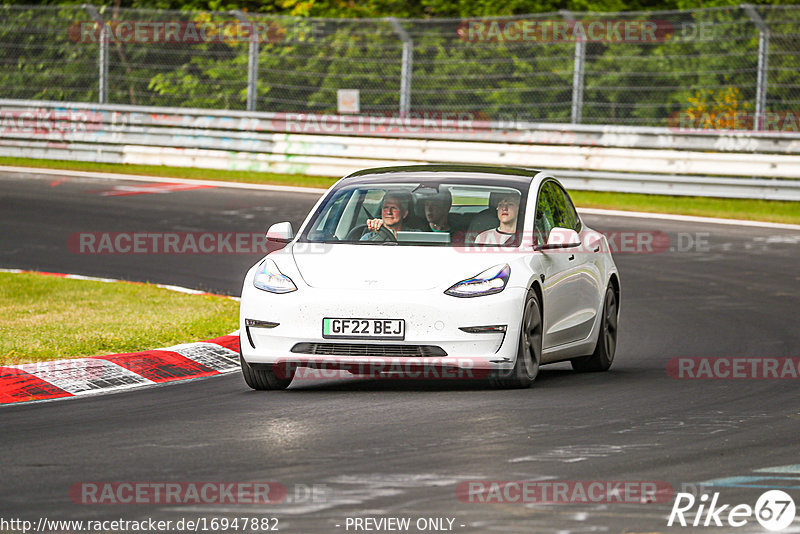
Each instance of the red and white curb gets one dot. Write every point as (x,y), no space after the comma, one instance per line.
(115,372)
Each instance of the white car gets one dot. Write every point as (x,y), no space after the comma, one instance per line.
(471,270)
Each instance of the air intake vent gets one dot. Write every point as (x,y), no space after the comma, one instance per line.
(363,349)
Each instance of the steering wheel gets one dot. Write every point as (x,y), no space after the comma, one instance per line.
(356,233)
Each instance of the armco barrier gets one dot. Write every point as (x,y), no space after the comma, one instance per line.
(623,159)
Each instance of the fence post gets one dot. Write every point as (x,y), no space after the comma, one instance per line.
(763,63)
(405,71)
(103,59)
(252,61)
(577,72)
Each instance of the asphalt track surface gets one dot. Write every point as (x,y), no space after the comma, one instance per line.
(377,448)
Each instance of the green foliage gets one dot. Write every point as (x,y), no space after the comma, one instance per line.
(305,60)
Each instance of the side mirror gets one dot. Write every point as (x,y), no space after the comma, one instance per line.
(562,238)
(280,232)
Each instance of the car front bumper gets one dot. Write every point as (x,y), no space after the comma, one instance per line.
(432,319)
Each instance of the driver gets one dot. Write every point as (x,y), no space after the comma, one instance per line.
(394,211)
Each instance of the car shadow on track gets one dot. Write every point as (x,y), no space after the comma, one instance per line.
(547,378)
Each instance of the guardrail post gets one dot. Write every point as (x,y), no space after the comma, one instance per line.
(577,73)
(252,61)
(405,71)
(103,59)
(763,63)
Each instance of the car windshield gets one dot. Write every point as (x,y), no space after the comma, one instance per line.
(430,213)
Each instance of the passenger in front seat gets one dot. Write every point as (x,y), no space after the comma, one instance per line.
(507,211)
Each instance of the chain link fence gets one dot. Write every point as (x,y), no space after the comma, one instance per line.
(694,68)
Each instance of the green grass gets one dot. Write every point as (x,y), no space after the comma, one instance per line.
(252,177)
(726,208)
(760,210)
(49,318)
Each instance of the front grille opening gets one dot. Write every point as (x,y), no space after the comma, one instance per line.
(365,349)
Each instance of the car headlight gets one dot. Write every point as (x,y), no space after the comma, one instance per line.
(490,281)
(269,278)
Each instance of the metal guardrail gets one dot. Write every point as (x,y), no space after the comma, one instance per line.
(455,126)
(622,159)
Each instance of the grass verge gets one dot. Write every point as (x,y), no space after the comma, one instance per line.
(726,208)
(252,177)
(50,318)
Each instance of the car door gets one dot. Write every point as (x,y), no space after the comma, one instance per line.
(585,274)
(568,311)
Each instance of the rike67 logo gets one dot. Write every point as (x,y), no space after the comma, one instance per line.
(774,510)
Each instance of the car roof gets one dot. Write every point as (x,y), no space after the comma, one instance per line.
(410,172)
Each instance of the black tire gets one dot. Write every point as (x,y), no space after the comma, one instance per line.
(603,355)
(263,379)
(529,349)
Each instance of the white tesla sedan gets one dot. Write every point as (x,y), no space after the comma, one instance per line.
(468,270)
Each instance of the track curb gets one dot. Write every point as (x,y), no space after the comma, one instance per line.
(58,379)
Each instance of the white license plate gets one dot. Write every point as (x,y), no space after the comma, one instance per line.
(363,328)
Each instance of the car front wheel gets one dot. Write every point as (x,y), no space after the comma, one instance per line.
(263,379)
(529,350)
(603,355)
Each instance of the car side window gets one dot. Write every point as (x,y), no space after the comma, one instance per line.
(567,215)
(544,215)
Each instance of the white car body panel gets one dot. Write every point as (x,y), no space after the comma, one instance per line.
(409,282)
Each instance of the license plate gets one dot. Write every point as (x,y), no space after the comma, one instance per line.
(363,328)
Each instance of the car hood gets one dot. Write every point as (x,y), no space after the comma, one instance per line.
(348,266)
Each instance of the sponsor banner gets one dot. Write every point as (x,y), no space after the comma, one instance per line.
(733,368)
(564,31)
(564,491)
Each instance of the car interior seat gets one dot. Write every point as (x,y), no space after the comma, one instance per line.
(458,221)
